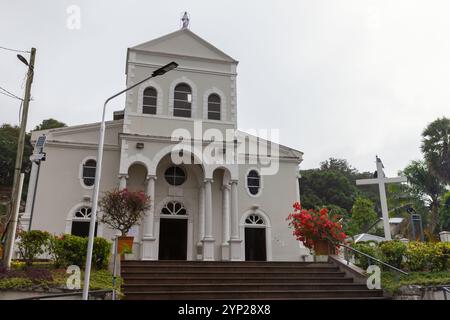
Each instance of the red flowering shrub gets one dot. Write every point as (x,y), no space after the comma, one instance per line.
(122,209)
(312,225)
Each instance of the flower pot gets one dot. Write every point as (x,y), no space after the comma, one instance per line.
(322,248)
(125,245)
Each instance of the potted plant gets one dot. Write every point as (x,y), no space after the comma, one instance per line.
(316,229)
(122,209)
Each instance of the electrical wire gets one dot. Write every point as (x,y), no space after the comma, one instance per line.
(14,50)
(9,94)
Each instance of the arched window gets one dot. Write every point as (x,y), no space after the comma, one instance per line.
(253,182)
(81,221)
(214,107)
(174,208)
(89,172)
(175,176)
(182,101)
(254,219)
(149,101)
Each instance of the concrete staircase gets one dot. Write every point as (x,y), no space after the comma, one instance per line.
(191,280)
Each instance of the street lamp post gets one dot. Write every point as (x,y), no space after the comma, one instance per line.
(87,271)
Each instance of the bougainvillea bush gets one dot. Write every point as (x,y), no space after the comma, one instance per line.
(122,209)
(314,225)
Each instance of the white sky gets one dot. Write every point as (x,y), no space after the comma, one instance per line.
(347,79)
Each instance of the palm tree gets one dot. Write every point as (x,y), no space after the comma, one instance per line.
(427,187)
(436,148)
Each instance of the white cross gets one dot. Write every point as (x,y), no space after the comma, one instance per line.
(381,180)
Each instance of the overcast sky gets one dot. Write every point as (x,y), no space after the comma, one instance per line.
(346,79)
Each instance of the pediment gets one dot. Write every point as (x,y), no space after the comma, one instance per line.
(185,43)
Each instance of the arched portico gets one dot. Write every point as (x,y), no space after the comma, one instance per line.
(209,192)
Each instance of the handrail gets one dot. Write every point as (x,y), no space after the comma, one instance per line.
(369,257)
(66,294)
(446,290)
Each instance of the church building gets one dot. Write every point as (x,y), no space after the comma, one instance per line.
(202,208)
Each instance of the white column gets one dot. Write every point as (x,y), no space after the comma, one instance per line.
(225,222)
(208,240)
(235,240)
(148,239)
(201,215)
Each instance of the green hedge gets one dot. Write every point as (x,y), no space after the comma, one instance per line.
(64,250)
(71,250)
(411,256)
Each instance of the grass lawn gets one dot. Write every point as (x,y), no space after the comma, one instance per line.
(390,283)
(44,276)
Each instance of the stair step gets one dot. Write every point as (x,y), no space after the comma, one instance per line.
(150,279)
(258,294)
(226,274)
(223,263)
(253,269)
(241,287)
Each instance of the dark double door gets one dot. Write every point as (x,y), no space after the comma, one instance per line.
(172,239)
(255,244)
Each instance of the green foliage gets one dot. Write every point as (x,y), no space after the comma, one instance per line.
(9,136)
(412,256)
(436,148)
(324,187)
(101,253)
(392,252)
(68,250)
(367,247)
(49,124)
(71,250)
(444,212)
(100,280)
(427,187)
(15,283)
(391,281)
(32,244)
(362,216)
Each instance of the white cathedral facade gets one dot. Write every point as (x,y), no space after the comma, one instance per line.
(204,209)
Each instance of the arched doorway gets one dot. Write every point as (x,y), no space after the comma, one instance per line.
(81,222)
(173,232)
(255,238)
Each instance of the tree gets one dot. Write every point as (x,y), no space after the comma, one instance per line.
(445,212)
(49,124)
(339,165)
(363,216)
(122,209)
(320,188)
(436,148)
(9,135)
(334,184)
(427,187)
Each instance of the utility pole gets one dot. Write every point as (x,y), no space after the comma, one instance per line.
(16,194)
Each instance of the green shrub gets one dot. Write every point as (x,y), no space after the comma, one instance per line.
(369,248)
(392,252)
(32,244)
(417,256)
(101,253)
(439,256)
(71,250)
